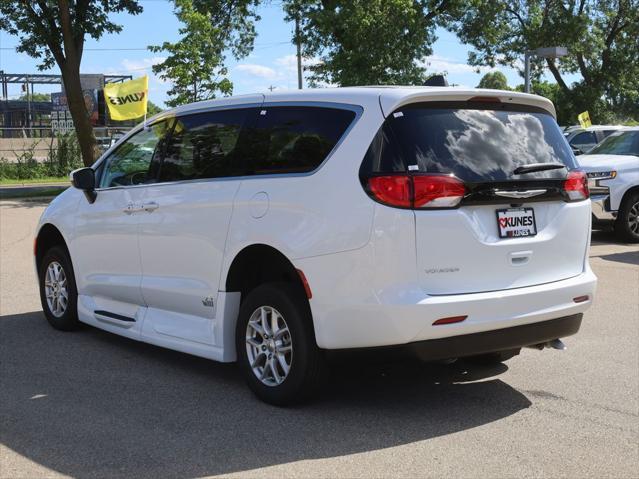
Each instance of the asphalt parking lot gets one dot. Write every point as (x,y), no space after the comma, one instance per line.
(92,404)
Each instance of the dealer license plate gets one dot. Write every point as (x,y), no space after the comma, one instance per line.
(516,222)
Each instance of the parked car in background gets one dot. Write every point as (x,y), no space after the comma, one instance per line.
(613,176)
(269,230)
(105,142)
(582,140)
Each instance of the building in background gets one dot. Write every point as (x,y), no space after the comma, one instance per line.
(25,118)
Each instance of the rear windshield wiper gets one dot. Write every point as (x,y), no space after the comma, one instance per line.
(533,167)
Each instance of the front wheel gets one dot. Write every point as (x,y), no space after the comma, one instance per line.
(276,346)
(627,223)
(58,293)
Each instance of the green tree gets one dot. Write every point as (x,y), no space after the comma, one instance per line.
(495,80)
(152,108)
(36,97)
(54,31)
(601,36)
(364,42)
(195,63)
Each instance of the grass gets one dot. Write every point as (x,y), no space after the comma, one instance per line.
(34,181)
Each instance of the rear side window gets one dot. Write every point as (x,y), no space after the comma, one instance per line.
(204,145)
(294,139)
(585,138)
(473,143)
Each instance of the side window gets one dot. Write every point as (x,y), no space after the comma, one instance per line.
(204,145)
(136,160)
(294,139)
(584,138)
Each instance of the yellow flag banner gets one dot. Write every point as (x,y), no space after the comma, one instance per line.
(127,100)
(584,119)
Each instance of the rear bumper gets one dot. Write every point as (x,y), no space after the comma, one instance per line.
(505,339)
(406,316)
(498,340)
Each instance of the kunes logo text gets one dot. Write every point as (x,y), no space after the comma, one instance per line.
(123,100)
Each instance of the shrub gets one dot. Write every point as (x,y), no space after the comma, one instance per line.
(61,160)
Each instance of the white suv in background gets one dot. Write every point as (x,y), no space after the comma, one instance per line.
(613,174)
(268,230)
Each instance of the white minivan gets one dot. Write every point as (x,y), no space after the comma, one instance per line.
(270,230)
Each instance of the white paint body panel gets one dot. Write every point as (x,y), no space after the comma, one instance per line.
(626,166)
(182,248)
(361,259)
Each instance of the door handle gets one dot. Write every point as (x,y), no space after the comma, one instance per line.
(132,208)
(150,206)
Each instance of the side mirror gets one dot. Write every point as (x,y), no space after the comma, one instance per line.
(84,179)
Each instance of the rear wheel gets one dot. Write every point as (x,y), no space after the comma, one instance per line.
(493,358)
(627,223)
(276,345)
(58,293)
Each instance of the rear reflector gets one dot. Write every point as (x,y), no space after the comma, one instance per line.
(452,319)
(417,191)
(576,185)
(581,299)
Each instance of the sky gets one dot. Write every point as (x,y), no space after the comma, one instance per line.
(272,63)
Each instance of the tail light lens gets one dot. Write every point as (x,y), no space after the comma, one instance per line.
(391,190)
(417,191)
(576,185)
(437,191)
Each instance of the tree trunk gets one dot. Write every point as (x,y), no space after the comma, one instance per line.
(79,113)
(70,67)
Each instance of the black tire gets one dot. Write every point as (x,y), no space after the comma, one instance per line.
(68,320)
(627,222)
(307,362)
(493,358)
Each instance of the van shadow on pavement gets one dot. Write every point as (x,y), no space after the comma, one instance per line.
(93,404)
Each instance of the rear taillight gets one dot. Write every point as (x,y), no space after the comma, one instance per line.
(437,191)
(391,190)
(576,185)
(417,191)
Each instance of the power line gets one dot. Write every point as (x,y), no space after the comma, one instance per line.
(257,46)
(90,49)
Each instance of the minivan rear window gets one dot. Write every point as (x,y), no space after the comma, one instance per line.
(475,143)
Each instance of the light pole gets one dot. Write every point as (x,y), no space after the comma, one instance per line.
(548,52)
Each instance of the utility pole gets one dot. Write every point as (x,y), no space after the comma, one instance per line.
(527,56)
(547,52)
(299,49)
(28,108)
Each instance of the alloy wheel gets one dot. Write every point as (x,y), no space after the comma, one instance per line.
(56,289)
(633,218)
(269,346)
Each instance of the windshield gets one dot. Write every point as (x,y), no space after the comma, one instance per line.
(623,143)
(478,144)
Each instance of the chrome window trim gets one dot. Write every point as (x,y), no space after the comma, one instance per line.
(357,109)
